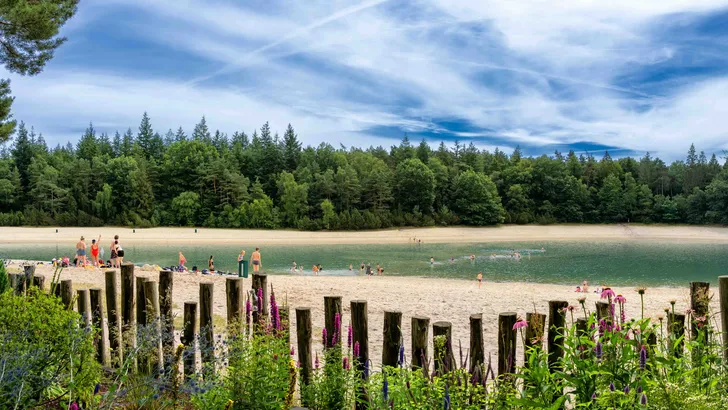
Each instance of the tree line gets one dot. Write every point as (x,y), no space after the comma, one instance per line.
(262,180)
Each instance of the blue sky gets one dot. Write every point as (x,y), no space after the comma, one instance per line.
(586,75)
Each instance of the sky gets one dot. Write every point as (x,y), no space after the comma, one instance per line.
(624,76)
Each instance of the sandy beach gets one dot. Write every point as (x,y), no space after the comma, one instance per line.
(509,233)
(439,299)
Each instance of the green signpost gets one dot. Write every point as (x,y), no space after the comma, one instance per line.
(243,268)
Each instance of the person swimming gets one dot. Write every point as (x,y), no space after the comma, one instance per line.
(432,260)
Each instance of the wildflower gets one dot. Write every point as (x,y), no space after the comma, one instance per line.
(349,337)
(689,311)
(626,389)
(643,358)
(598,350)
(639,389)
(594,396)
(292,351)
(356,349)
(96,389)
(366,369)
(260,301)
(611,386)
(672,302)
(345,362)
(385,389)
(660,317)
(316,362)
(447,398)
(607,293)
(643,399)
(73,406)
(620,299)
(248,309)
(337,328)
(641,290)
(581,300)
(401,355)
(324,337)
(520,324)
(155,396)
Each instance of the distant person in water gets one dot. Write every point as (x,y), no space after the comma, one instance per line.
(472,258)
(480,279)
(369,269)
(351,267)
(300,269)
(432,260)
(315,270)
(361,268)
(255,259)
(211,264)
(182,262)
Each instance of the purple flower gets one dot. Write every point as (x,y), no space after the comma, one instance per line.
(356,349)
(345,363)
(611,386)
(643,358)
(446,405)
(598,350)
(602,327)
(73,406)
(611,311)
(324,337)
(520,324)
(96,389)
(337,329)
(316,362)
(401,355)
(260,301)
(626,389)
(607,293)
(292,351)
(594,396)
(349,338)
(643,399)
(385,389)
(366,369)
(622,314)
(620,299)
(248,309)
(639,389)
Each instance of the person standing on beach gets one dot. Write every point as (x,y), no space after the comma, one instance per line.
(182,261)
(119,251)
(255,259)
(480,279)
(211,264)
(81,252)
(361,268)
(113,257)
(95,252)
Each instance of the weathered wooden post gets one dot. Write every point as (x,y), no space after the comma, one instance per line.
(602,310)
(112,311)
(477,353)
(141,305)
(188,338)
(360,337)
(676,326)
(260,281)
(582,331)
(699,303)
(29,271)
(557,322)
(534,334)
(19,280)
(128,302)
(234,294)
(207,334)
(723,290)
(392,338)
(444,357)
(67,293)
(97,314)
(166,281)
(84,306)
(420,329)
(304,336)
(506,342)
(13,278)
(151,293)
(332,306)
(39,281)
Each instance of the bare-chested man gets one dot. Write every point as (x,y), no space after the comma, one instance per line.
(255,260)
(81,252)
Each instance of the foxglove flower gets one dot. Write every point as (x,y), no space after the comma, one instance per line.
(73,406)
(324,337)
(248,309)
(293,352)
(260,301)
(598,350)
(345,362)
(316,362)
(385,390)
(639,389)
(401,356)
(349,338)
(356,349)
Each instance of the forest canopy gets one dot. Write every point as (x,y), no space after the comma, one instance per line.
(263,180)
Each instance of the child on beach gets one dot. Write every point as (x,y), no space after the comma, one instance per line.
(480,279)
(182,260)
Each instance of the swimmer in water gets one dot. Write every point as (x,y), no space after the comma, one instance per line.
(351,267)
(472,258)
(432,260)
(480,279)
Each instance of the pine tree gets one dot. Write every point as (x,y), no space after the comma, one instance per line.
(240,138)
(145,137)
(423,152)
(168,138)
(291,149)
(127,144)
(201,132)
(180,135)
(7,124)
(117,145)
(87,147)
(22,156)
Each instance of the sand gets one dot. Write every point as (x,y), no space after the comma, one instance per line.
(439,299)
(512,233)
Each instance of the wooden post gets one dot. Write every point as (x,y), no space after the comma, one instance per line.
(392,338)
(506,343)
(13,277)
(188,338)
(534,334)
(112,312)
(166,281)
(97,314)
(29,271)
(557,322)
(39,281)
(151,292)
(304,335)
(360,336)
(67,293)
(444,358)
(234,292)
(699,303)
(420,329)
(84,306)
(207,334)
(676,326)
(141,305)
(602,310)
(723,291)
(260,281)
(477,354)
(19,287)
(332,306)
(582,331)
(128,320)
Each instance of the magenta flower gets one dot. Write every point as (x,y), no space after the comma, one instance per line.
(248,309)
(607,293)
(346,363)
(611,386)
(324,337)
(356,349)
(520,324)
(73,406)
(292,351)
(349,337)
(260,301)
(337,329)
(620,299)
(316,362)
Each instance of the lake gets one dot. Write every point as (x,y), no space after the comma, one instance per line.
(625,263)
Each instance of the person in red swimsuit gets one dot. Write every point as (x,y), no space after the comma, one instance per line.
(95,250)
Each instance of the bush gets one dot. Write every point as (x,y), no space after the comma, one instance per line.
(45,353)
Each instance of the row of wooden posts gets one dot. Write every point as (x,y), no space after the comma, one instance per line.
(158,304)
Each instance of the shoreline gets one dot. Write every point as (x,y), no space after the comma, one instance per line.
(506,233)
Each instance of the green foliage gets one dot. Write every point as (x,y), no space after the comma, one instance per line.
(45,353)
(476,199)
(185,206)
(4,281)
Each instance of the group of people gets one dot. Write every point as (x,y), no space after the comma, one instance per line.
(368,269)
(255,260)
(97,255)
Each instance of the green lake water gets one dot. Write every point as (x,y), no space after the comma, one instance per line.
(626,263)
